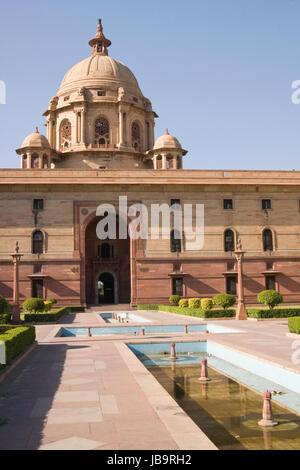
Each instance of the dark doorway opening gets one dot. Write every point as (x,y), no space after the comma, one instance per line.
(106,289)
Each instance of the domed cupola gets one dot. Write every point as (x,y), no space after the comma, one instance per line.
(35,151)
(166,153)
(100,112)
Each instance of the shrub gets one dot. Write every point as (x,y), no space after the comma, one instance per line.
(49,317)
(16,339)
(197,312)
(206,304)
(47,306)
(183,303)
(53,301)
(77,308)
(4,306)
(174,299)
(194,303)
(224,300)
(5,318)
(294,325)
(33,305)
(270,298)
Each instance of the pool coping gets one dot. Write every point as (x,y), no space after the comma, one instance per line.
(186,434)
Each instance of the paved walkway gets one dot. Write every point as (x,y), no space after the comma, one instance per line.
(75,393)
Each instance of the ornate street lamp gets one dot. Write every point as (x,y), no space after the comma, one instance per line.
(16,257)
(241,313)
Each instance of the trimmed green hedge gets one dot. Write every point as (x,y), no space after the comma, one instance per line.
(294,325)
(78,308)
(16,339)
(194,312)
(5,318)
(53,316)
(281,312)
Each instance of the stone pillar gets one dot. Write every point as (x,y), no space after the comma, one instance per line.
(28,160)
(155,163)
(164,162)
(267,416)
(82,125)
(241,313)
(16,257)
(133,271)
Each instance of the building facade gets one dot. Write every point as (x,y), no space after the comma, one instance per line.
(100,145)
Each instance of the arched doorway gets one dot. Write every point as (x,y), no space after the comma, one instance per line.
(106,289)
(109,257)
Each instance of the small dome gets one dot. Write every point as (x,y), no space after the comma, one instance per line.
(167,141)
(36,140)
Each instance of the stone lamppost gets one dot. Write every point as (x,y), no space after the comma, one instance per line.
(16,256)
(241,313)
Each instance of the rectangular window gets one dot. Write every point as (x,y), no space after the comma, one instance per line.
(177,286)
(101,93)
(176,203)
(266,204)
(231,285)
(38,204)
(38,288)
(227,204)
(270,282)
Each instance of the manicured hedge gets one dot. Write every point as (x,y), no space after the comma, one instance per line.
(294,325)
(78,308)
(5,318)
(194,312)
(53,316)
(16,339)
(281,312)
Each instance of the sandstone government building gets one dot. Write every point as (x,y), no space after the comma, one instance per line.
(100,145)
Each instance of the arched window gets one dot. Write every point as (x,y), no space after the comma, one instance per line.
(24,161)
(45,161)
(267,240)
(65,134)
(37,242)
(135,135)
(175,238)
(169,161)
(101,131)
(228,240)
(34,160)
(159,162)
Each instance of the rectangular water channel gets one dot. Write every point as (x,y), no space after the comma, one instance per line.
(128,330)
(225,408)
(108,318)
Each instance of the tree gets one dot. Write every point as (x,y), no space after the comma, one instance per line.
(270,298)
(174,299)
(4,307)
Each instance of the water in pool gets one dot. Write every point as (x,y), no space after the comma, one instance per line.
(226,411)
(117,330)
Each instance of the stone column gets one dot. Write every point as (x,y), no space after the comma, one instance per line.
(82,122)
(164,162)
(241,313)
(16,256)
(155,163)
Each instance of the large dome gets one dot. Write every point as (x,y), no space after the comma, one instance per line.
(100,70)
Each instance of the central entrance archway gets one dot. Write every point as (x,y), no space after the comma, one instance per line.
(106,261)
(106,289)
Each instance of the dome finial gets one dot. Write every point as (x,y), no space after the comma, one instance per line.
(36,130)
(167,132)
(99,43)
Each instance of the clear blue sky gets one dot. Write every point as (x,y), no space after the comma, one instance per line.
(218,72)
